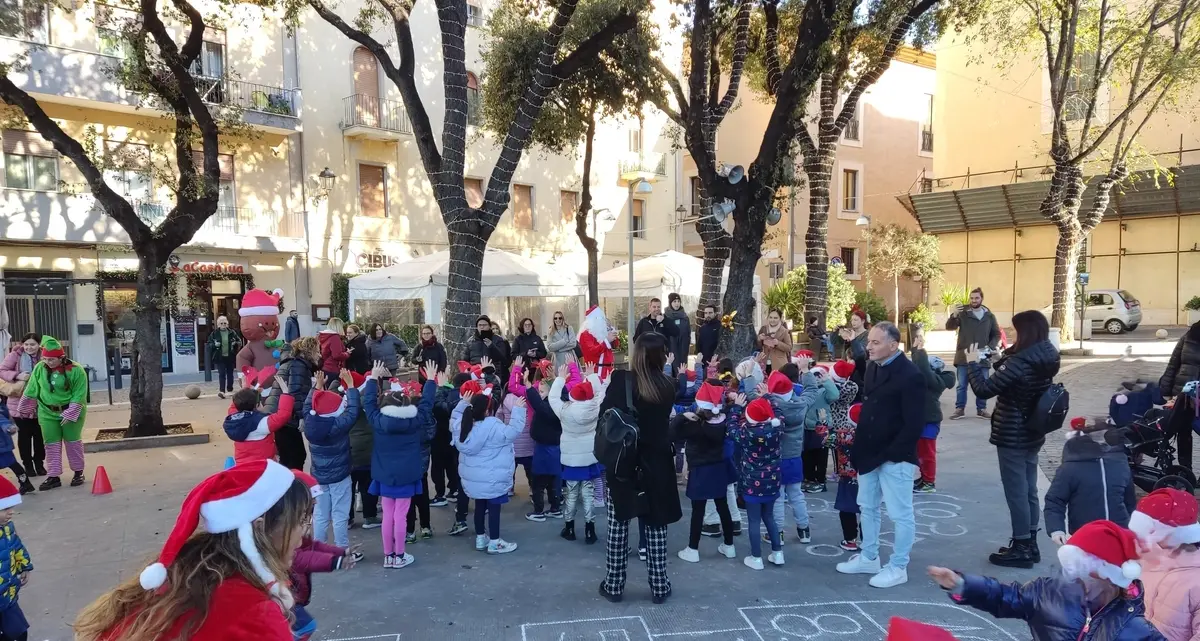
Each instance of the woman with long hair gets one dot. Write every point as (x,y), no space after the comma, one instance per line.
(429,349)
(224,582)
(776,340)
(651,496)
(385,347)
(296,369)
(528,345)
(358,357)
(562,341)
(851,344)
(15,369)
(1021,376)
(333,349)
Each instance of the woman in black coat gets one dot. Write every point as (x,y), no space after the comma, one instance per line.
(359,359)
(429,349)
(528,345)
(1021,376)
(1184,366)
(653,497)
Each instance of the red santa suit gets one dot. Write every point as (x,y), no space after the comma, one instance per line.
(594,343)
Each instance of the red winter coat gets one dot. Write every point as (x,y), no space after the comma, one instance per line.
(333,352)
(597,352)
(237,611)
(312,556)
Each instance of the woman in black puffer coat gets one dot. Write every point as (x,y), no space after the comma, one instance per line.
(1184,366)
(1020,378)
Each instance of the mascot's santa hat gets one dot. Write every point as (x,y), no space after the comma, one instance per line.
(257,302)
(228,501)
(1102,548)
(596,324)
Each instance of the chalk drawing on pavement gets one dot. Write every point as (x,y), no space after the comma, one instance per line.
(935,516)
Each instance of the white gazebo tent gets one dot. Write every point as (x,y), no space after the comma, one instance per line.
(506,276)
(658,276)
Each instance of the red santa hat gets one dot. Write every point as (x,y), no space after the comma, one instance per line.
(1102,548)
(779,384)
(310,482)
(328,404)
(228,501)
(1166,515)
(905,630)
(257,302)
(842,371)
(583,392)
(596,324)
(803,353)
(853,413)
(358,380)
(710,397)
(1078,424)
(691,375)
(9,496)
(760,411)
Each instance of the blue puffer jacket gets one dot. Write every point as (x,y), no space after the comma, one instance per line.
(791,412)
(485,458)
(14,561)
(6,439)
(329,439)
(401,436)
(1055,610)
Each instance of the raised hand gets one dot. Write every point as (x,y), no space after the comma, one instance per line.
(283,388)
(518,401)
(761,389)
(564,371)
(466,398)
(740,399)
(430,370)
(485,362)
(589,369)
(380,370)
(518,361)
(442,379)
(319,380)
(345,378)
(945,577)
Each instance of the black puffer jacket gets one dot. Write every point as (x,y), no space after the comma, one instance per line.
(705,442)
(1019,381)
(1184,365)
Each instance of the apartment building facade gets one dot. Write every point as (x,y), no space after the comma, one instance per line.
(990,175)
(327,181)
(886,149)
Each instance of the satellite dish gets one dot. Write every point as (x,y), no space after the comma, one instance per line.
(774,216)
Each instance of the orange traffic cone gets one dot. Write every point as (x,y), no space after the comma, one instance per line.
(101,484)
(905,630)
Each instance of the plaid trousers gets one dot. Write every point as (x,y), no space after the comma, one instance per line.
(616,561)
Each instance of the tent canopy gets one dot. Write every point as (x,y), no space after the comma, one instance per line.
(504,275)
(658,275)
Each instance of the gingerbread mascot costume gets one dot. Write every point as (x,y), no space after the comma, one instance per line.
(260,328)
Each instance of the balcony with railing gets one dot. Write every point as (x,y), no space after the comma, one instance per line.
(374,118)
(647,166)
(239,221)
(261,105)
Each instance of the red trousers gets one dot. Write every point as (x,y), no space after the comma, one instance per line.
(927,457)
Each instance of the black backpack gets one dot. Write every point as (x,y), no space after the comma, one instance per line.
(1050,411)
(617,436)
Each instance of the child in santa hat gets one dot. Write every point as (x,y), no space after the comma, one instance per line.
(485,460)
(397,463)
(245,589)
(816,456)
(519,379)
(328,417)
(15,573)
(703,432)
(418,507)
(937,381)
(252,430)
(1097,597)
(757,436)
(1165,521)
(580,469)
(841,441)
(313,557)
(1092,483)
(792,408)
(685,400)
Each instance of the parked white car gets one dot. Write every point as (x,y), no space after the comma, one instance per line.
(1115,310)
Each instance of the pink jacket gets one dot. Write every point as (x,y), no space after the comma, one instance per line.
(9,368)
(312,557)
(523,446)
(1173,596)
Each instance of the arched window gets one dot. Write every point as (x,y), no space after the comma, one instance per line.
(472,99)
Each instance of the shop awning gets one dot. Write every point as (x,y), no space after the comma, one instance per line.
(1016,204)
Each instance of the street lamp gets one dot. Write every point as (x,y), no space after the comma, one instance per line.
(865,221)
(326,178)
(639,186)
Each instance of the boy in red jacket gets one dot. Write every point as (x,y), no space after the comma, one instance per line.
(252,431)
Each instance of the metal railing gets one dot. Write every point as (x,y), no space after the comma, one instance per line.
(247,95)
(926,140)
(643,163)
(242,221)
(851,131)
(362,110)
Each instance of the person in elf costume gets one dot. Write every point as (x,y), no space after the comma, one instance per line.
(597,341)
(57,395)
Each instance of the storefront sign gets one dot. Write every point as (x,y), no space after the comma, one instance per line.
(185,335)
(376,261)
(199,267)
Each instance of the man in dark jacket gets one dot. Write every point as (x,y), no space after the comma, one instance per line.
(681,342)
(1184,366)
(708,335)
(655,322)
(976,325)
(291,329)
(885,454)
(483,344)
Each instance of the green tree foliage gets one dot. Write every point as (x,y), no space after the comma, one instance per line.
(872,304)
(902,252)
(787,295)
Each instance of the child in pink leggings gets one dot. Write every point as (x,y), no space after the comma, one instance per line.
(400,424)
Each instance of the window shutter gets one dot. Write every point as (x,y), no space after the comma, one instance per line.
(522,206)
(569,203)
(474,189)
(27,143)
(224,162)
(639,208)
(372,191)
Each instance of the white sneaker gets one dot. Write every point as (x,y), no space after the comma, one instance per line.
(889,577)
(481,542)
(690,555)
(500,546)
(753,562)
(776,557)
(403,560)
(728,550)
(859,564)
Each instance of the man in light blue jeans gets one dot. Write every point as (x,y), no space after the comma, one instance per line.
(335,496)
(890,423)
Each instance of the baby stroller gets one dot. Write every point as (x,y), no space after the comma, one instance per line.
(1151,451)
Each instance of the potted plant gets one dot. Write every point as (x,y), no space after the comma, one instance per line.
(1192,307)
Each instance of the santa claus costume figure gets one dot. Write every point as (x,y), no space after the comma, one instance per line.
(597,340)
(253,517)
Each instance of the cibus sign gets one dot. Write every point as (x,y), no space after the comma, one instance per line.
(376,261)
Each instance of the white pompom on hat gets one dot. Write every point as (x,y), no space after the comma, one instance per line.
(1102,548)
(760,411)
(228,501)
